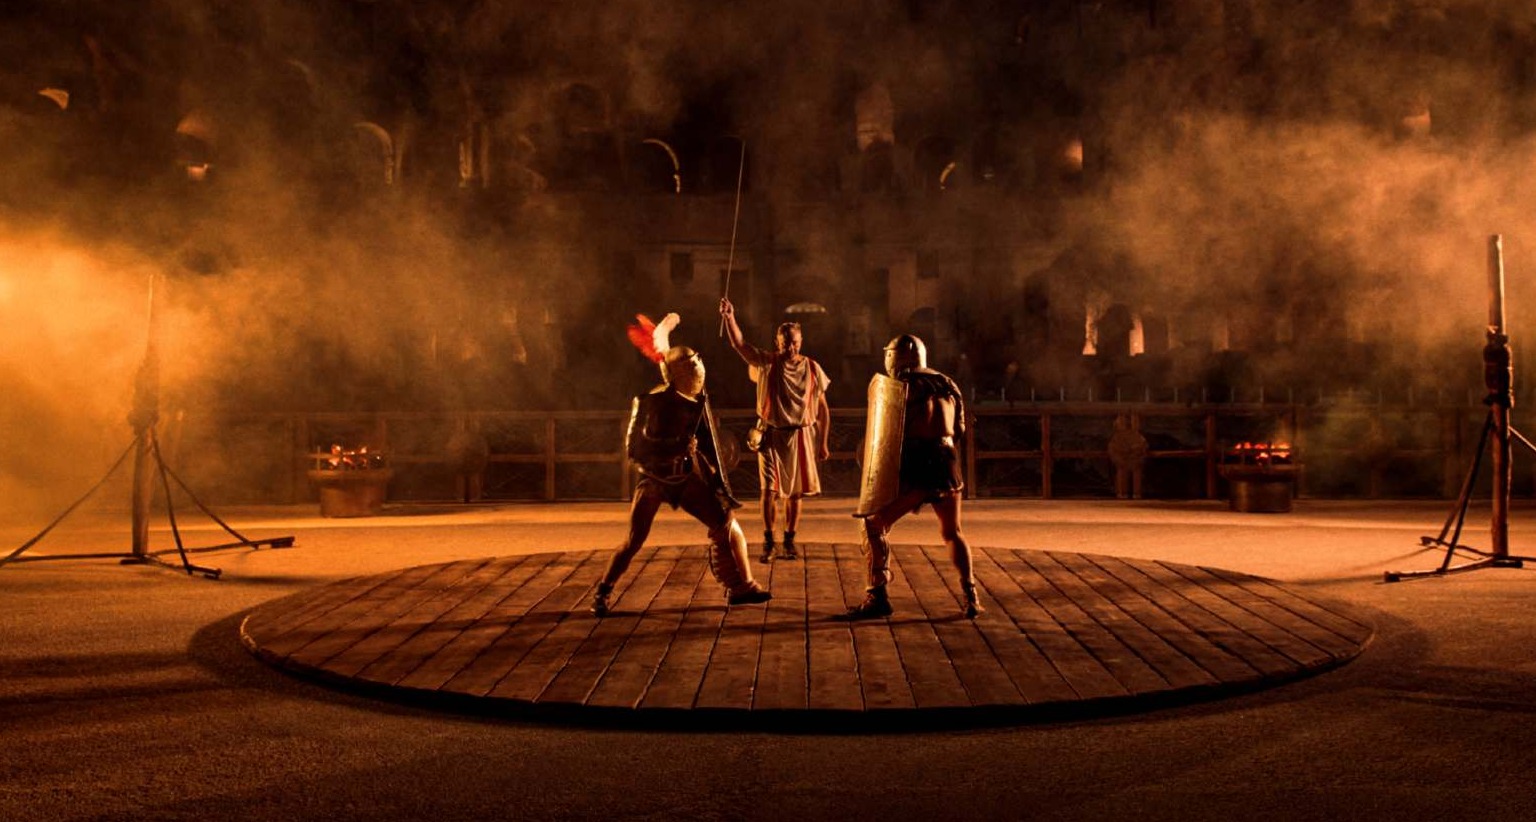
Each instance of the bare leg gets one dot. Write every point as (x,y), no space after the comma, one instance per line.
(947,508)
(791,522)
(642,512)
(770,514)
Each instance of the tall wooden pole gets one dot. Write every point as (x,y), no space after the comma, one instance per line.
(1499,377)
(143,416)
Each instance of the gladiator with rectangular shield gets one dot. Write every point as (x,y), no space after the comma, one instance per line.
(916,417)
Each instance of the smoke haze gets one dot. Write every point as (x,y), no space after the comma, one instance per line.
(1340,164)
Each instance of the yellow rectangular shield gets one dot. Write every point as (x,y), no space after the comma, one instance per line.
(880,468)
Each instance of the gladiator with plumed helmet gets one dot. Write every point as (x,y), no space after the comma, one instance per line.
(671,442)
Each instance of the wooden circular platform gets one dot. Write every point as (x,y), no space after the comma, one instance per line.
(1062,631)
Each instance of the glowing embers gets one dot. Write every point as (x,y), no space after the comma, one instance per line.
(1264,455)
(1261,476)
(351,482)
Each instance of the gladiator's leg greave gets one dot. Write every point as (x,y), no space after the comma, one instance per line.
(878,550)
(728,558)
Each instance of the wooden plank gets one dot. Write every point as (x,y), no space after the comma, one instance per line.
(1059,626)
(631,672)
(401,662)
(460,652)
(417,618)
(832,677)
(1216,596)
(585,664)
(1198,659)
(781,667)
(985,680)
(1116,639)
(1329,616)
(930,672)
(1032,674)
(1254,654)
(508,651)
(882,679)
(729,678)
(278,618)
(342,636)
(356,608)
(1253,598)
(676,683)
(1002,574)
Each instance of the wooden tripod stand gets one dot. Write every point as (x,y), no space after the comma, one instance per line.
(1498,376)
(148,463)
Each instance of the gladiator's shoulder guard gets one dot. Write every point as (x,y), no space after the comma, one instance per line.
(926,382)
(936,408)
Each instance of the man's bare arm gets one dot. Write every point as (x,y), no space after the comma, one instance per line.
(823,427)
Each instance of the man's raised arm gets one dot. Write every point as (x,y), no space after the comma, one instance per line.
(733,331)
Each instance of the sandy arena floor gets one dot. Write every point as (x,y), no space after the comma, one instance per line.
(125,693)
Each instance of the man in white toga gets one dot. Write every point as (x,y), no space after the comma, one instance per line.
(794,420)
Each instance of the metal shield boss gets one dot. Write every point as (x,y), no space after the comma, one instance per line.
(880,480)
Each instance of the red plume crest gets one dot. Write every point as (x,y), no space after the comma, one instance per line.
(650,337)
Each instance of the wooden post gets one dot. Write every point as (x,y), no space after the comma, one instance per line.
(143,489)
(1212,455)
(1047,456)
(549,459)
(143,416)
(1499,373)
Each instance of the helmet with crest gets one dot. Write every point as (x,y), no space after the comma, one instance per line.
(681,366)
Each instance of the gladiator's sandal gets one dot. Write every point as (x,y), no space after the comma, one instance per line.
(874,606)
(789,546)
(750,595)
(767,556)
(973,607)
(600,599)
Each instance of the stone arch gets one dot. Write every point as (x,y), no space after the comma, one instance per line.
(936,158)
(656,168)
(373,155)
(197,139)
(1115,329)
(874,117)
(587,156)
(58,96)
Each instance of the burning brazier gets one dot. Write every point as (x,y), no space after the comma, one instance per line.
(1261,477)
(351,483)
